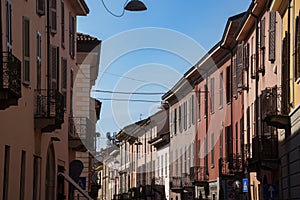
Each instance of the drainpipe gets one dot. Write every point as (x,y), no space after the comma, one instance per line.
(1,46)
(48,56)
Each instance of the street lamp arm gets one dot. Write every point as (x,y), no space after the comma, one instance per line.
(130,5)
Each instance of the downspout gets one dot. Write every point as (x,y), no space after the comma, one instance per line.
(1,46)
(48,56)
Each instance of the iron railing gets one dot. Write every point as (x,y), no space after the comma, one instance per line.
(231,165)
(186,180)
(199,174)
(175,182)
(49,104)
(10,74)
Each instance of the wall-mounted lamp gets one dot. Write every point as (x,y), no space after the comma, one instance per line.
(132,5)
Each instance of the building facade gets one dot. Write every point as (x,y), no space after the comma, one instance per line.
(38,46)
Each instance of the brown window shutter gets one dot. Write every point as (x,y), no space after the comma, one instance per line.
(26,51)
(272,33)
(53,22)
(239,67)
(297,57)
(285,76)
(262,33)
(40,7)
(54,66)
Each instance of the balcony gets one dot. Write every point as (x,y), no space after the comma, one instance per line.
(199,175)
(186,181)
(175,184)
(231,166)
(10,80)
(264,153)
(80,134)
(48,110)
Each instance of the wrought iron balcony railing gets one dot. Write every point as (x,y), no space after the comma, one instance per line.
(48,109)
(175,182)
(10,74)
(186,180)
(231,165)
(199,174)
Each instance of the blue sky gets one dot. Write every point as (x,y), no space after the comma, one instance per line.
(149,51)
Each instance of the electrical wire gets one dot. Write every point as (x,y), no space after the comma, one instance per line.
(130,78)
(130,100)
(139,93)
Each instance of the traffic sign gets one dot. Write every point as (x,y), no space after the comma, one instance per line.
(245,185)
(270,192)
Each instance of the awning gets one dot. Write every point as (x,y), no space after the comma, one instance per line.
(70,180)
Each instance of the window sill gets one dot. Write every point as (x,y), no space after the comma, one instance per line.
(221,107)
(212,166)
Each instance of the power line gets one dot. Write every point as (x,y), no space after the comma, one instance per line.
(133,100)
(127,77)
(140,93)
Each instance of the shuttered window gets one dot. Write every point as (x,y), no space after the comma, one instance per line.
(26,51)
(262,33)
(53,20)
(53,67)
(175,121)
(64,80)
(246,57)
(38,60)
(272,36)
(40,7)
(221,90)
(297,57)
(199,104)
(239,67)
(71,35)
(285,75)
(63,23)
(212,95)
(180,118)
(234,80)
(228,85)
(8,26)
(193,109)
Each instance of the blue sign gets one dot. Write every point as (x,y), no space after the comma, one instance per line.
(270,192)
(245,185)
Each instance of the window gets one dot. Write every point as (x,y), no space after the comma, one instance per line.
(53,22)
(272,36)
(262,33)
(236,138)
(36,177)
(175,121)
(166,164)
(8,26)
(71,89)
(6,172)
(64,80)
(246,57)
(228,85)
(185,115)
(221,90)
(212,149)
(71,35)
(40,7)
(180,118)
(199,104)
(62,23)
(26,51)
(192,109)
(38,60)
(297,57)
(53,67)
(212,95)
(22,175)
(228,140)
(185,160)
(239,68)
(234,78)
(189,157)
